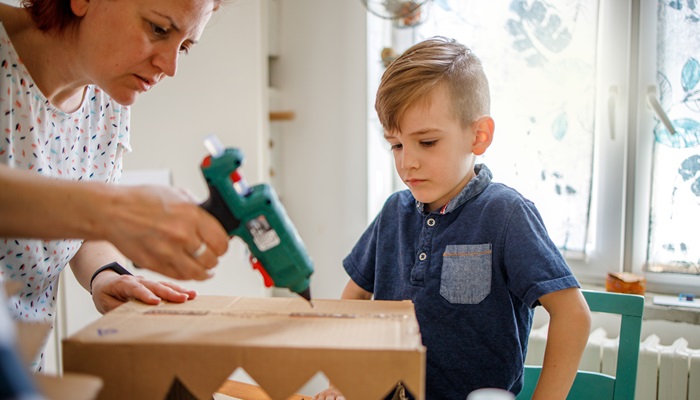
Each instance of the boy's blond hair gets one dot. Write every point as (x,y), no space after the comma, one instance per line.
(425,66)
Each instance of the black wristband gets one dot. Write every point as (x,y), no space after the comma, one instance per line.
(114,266)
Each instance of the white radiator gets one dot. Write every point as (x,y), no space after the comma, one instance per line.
(669,355)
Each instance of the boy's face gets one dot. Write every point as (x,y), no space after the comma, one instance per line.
(433,154)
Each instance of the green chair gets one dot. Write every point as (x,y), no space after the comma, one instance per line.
(592,385)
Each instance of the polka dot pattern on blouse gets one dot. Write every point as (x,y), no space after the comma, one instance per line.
(87,144)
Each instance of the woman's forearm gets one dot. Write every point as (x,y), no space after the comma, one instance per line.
(91,256)
(33,206)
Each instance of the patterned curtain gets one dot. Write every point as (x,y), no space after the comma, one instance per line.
(674,242)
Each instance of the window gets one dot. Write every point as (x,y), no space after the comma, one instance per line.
(675,195)
(571,83)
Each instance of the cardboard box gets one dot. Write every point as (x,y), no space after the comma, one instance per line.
(151,352)
(26,339)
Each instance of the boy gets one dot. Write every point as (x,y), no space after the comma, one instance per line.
(472,255)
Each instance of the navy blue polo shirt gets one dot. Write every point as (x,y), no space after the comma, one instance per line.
(474,271)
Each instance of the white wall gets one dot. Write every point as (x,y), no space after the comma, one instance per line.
(321,75)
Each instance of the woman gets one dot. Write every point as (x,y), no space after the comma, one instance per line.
(70,71)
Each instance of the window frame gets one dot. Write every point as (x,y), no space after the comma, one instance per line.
(641,156)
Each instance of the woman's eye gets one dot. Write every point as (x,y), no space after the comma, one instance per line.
(158,30)
(184,50)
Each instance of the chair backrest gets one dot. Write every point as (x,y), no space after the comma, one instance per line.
(592,385)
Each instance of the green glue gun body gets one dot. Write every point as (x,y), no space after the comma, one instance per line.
(256,215)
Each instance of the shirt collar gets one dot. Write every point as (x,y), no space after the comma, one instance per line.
(475,186)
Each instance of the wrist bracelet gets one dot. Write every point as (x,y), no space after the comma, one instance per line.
(114,266)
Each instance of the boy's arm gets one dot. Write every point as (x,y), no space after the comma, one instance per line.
(569,327)
(354,292)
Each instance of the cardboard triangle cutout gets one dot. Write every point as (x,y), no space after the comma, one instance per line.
(278,373)
(178,391)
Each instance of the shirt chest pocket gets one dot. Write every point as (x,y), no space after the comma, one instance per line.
(466,273)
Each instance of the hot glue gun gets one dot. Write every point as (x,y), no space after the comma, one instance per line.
(255,215)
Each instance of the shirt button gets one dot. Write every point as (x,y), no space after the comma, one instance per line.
(422,256)
(431,222)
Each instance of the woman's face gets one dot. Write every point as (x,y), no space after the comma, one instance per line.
(125,47)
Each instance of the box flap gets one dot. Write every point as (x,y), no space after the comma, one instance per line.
(31,337)
(69,386)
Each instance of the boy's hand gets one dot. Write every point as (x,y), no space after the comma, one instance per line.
(330,394)
(353,291)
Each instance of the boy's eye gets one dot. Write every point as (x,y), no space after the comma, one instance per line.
(428,143)
(395,146)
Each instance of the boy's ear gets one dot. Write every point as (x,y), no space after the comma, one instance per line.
(483,134)
(79,7)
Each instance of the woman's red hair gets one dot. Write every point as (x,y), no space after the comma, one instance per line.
(57,15)
(50,15)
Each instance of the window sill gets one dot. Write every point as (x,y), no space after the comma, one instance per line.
(653,311)
(688,315)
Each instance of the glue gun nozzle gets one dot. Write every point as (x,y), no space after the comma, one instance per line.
(306,294)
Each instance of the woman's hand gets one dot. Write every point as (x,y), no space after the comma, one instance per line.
(158,227)
(110,290)
(162,229)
